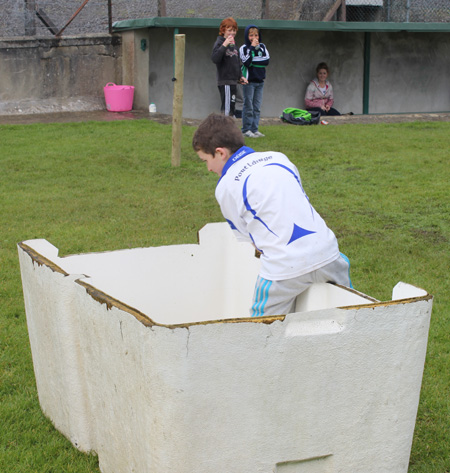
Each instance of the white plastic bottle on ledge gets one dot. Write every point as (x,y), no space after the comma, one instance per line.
(152,108)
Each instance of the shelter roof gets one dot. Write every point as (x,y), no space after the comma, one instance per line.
(172,22)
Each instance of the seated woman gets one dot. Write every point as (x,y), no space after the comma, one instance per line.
(319,93)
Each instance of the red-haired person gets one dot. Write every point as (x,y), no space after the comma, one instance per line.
(225,56)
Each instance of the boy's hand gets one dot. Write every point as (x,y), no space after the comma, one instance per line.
(243,81)
(255,42)
(229,40)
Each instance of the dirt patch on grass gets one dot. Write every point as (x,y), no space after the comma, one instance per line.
(104,115)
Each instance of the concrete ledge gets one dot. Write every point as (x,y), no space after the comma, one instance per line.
(18,42)
(51,106)
(44,75)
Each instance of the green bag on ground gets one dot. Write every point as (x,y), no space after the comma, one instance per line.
(297,116)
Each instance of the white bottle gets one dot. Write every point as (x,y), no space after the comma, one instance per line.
(152,108)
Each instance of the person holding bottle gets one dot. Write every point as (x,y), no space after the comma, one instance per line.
(255,58)
(225,56)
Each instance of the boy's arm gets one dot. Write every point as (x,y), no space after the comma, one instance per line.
(250,55)
(218,52)
(230,211)
(265,58)
(245,53)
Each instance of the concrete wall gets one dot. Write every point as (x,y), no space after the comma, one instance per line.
(49,75)
(294,56)
(135,65)
(408,71)
(136,365)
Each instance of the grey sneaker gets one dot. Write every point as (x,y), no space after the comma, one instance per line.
(258,134)
(249,134)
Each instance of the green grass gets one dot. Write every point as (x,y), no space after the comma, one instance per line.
(85,187)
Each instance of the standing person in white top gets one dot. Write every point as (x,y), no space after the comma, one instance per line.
(319,93)
(261,197)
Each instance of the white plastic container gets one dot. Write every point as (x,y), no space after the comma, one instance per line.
(148,357)
(152,108)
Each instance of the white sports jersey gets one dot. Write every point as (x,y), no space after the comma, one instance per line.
(262,199)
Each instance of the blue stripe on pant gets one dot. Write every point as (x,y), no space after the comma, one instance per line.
(348,261)
(261,296)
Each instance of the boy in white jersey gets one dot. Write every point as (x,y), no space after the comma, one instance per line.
(261,197)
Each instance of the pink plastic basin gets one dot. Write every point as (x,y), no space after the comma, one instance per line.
(118,98)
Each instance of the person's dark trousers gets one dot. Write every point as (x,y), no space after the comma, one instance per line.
(228,99)
(331,112)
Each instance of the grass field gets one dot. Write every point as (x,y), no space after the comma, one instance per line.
(85,187)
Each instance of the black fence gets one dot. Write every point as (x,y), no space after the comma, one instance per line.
(68,17)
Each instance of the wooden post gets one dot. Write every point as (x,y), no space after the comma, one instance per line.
(109,17)
(30,13)
(162,8)
(332,10)
(342,12)
(177,113)
(59,33)
(265,9)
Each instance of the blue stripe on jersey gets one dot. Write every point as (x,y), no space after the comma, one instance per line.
(248,207)
(298,233)
(254,244)
(231,224)
(287,169)
(297,179)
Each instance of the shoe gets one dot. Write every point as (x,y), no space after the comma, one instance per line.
(249,134)
(258,134)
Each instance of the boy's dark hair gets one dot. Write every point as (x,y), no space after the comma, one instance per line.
(217,131)
(227,23)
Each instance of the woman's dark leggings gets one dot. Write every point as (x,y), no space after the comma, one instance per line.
(331,112)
